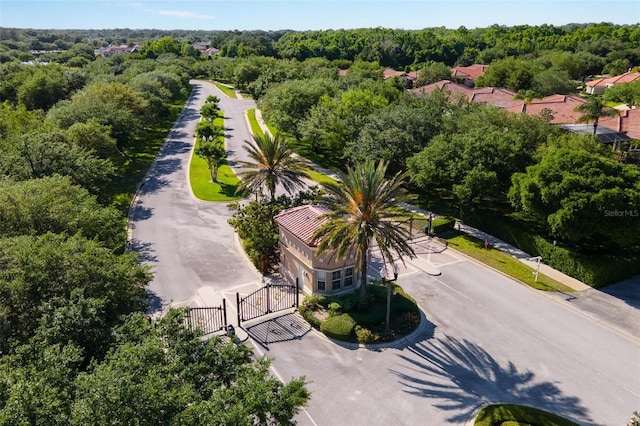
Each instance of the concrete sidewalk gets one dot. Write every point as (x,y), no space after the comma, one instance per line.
(496,243)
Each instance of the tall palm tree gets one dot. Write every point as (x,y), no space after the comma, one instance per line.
(364,211)
(272,165)
(593,110)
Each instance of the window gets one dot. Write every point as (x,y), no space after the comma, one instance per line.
(335,279)
(322,281)
(348,277)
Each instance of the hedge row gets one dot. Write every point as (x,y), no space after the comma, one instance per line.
(442,224)
(596,270)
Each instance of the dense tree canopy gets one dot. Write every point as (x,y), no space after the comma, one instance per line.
(154,373)
(582,196)
(477,157)
(53,204)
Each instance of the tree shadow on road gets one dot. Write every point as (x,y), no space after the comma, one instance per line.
(460,376)
(141,212)
(144,250)
(155,303)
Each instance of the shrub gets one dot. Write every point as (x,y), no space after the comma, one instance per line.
(339,327)
(314,302)
(442,224)
(596,270)
(348,301)
(309,316)
(408,322)
(364,335)
(334,309)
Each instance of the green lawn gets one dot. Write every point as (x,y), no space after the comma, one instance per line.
(314,175)
(504,263)
(318,177)
(204,189)
(230,91)
(200,178)
(516,415)
(253,123)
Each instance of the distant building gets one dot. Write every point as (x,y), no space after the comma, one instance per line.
(468,75)
(406,78)
(598,86)
(560,109)
(116,50)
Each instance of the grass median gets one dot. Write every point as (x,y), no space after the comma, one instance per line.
(510,414)
(230,91)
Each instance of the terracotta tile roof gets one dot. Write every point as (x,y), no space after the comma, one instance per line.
(302,222)
(388,73)
(562,107)
(450,86)
(627,121)
(497,96)
(627,77)
(473,71)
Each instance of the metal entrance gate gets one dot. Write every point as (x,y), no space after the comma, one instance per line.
(270,298)
(209,319)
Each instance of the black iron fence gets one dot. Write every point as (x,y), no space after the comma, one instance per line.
(208,319)
(270,298)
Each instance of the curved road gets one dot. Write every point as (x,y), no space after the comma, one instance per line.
(192,250)
(486,338)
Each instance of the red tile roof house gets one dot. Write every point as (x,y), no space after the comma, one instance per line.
(299,264)
(453,90)
(406,78)
(598,86)
(560,107)
(468,75)
(627,121)
(497,96)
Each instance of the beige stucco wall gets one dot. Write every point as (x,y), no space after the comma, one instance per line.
(299,261)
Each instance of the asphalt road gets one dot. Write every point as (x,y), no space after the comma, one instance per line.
(188,243)
(485,339)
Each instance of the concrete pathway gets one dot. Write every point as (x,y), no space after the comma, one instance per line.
(495,242)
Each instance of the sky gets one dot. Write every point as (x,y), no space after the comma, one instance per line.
(309,14)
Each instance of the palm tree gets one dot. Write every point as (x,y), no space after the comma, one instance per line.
(364,210)
(593,110)
(272,165)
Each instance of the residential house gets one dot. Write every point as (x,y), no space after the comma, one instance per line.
(561,108)
(497,96)
(598,86)
(451,88)
(468,75)
(406,78)
(210,51)
(626,121)
(299,263)
(119,49)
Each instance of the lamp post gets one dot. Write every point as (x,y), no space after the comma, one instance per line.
(383,274)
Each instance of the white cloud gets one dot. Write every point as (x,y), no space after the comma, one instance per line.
(175,13)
